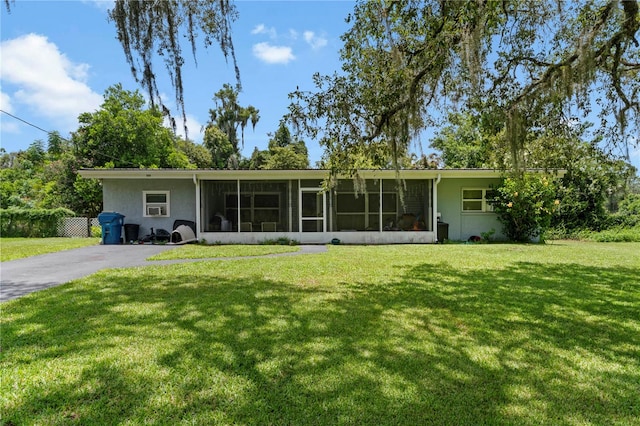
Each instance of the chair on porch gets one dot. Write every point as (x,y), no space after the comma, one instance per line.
(246,227)
(269,226)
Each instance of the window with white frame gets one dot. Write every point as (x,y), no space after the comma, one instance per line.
(474,200)
(155,203)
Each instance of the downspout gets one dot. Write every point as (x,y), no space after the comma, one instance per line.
(435,205)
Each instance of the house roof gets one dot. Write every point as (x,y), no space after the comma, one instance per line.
(213,174)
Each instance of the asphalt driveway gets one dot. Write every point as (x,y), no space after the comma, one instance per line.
(24,276)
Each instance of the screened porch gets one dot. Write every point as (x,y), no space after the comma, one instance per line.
(301,206)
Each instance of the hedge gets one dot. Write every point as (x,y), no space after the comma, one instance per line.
(33,223)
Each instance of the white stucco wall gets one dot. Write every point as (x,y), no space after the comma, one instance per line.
(125,197)
(462,225)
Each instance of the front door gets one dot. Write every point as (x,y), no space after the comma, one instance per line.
(312,210)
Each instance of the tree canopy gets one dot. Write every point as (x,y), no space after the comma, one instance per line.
(122,133)
(221,133)
(520,64)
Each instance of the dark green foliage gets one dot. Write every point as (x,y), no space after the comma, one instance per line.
(282,241)
(524,206)
(520,65)
(284,153)
(228,115)
(123,133)
(628,214)
(16,222)
(221,135)
(198,155)
(463,143)
(220,149)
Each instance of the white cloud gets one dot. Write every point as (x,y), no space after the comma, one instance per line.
(293,34)
(316,42)
(8,124)
(263,29)
(5,103)
(193,127)
(273,54)
(46,80)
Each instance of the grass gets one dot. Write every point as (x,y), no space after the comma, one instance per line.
(431,334)
(18,248)
(196,251)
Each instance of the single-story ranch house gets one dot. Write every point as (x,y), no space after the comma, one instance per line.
(251,206)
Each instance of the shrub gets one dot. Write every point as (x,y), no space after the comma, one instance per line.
(524,206)
(96,231)
(282,241)
(37,223)
(617,234)
(628,214)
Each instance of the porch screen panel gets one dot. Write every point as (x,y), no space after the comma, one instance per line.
(362,212)
(416,203)
(263,206)
(214,215)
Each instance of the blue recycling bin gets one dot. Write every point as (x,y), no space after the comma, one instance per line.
(111,223)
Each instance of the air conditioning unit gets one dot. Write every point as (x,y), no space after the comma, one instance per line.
(154,211)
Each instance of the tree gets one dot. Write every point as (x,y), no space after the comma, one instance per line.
(524,205)
(284,153)
(218,144)
(291,157)
(197,154)
(147,28)
(122,133)
(21,180)
(36,178)
(228,115)
(463,143)
(522,63)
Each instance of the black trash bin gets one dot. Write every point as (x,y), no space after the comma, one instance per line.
(131,232)
(443,232)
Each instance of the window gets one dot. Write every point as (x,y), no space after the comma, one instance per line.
(155,203)
(474,200)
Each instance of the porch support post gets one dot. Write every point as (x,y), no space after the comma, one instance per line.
(196,182)
(299,205)
(435,205)
(290,208)
(238,193)
(380,208)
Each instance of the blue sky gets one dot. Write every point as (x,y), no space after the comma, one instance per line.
(58,57)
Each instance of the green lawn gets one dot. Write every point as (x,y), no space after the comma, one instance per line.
(411,335)
(197,251)
(17,248)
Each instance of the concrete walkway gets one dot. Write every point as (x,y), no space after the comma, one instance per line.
(24,276)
